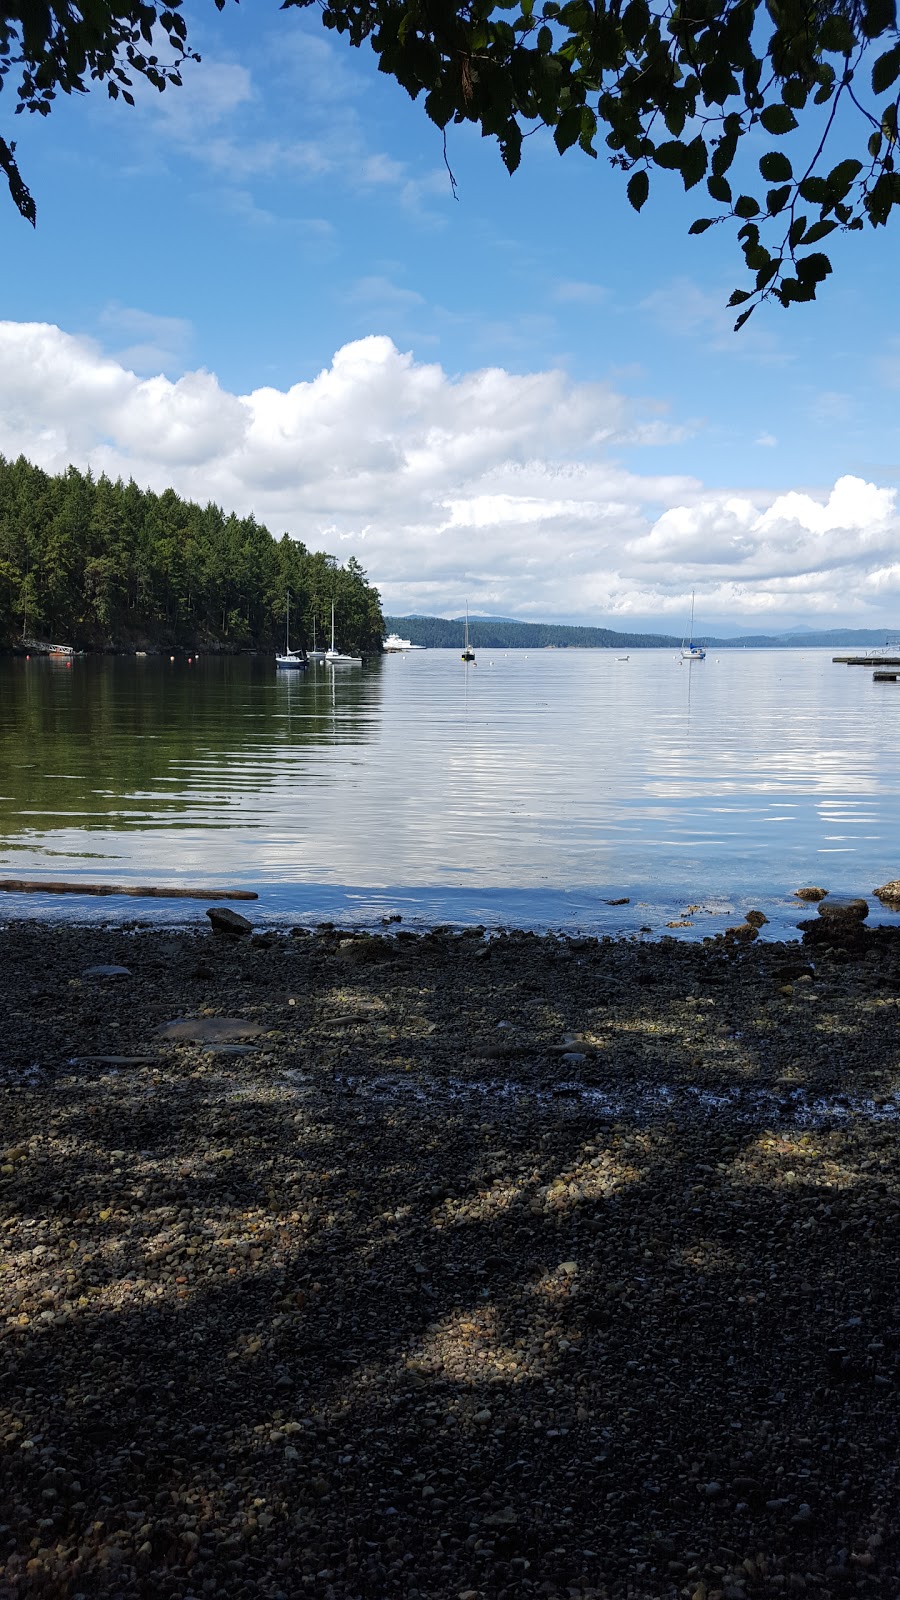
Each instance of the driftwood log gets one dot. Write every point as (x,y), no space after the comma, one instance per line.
(25,886)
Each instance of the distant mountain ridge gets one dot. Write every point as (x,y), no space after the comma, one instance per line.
(494,633)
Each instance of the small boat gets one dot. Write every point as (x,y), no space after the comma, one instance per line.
(621,658)
(335,658)
(314,654)
(290,658)
(393,645)
(468,653)
(689,650)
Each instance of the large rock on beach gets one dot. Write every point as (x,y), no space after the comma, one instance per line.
(812,892)
(843,909)
(229,923)
(889,894)
(363,950)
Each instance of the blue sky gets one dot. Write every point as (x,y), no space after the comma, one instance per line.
(290,203)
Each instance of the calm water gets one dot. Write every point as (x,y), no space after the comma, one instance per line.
(529,790)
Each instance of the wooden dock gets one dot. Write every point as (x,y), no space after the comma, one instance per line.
(867,661)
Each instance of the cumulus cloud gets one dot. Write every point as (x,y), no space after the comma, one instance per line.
(795,537)
(504,488)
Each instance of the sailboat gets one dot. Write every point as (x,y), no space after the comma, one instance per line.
(314,654)
(334,658)
(468,653)
(689,650)
(290,658)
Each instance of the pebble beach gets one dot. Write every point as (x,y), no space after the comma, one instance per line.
(448,1266)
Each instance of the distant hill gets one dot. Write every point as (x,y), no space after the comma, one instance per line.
(490,633)
(497,633)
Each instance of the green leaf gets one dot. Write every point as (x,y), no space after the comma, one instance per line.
(778,119)
(815,190)
(812,269)
(886,70)
(840,178)
(638,188)
(18,189)
(719,189)
(511,146)
(796,232)
(739,296)
(694,164)
(794,93)
(701,225)
(877,17)
(568,129)
(819,230)
(775,167)
(635,22)
(746,206)
(837,34)
(882,197)
(743,318)
(670,155)
(724,153)
(777,199)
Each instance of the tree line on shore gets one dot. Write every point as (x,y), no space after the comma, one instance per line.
(107,565)
(502,633)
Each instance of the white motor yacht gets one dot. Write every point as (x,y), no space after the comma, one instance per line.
(393,644)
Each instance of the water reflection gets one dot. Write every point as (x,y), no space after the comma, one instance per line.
(547,774)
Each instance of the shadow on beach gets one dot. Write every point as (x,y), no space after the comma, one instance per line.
(538,1267)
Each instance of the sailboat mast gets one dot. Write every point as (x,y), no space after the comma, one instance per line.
(332,625)
(287,623)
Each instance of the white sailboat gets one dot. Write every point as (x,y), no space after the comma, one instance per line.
(335,658)
(468,653)
(289,657)
(314,654)
(689,650)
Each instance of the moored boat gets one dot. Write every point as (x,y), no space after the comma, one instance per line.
(393,644)
(315,655)
(295,659)
(689,650)
(468,654)
(336,658)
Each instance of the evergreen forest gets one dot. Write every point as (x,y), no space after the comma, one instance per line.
(99,565)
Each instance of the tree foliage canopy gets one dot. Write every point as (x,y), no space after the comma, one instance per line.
(90,562)
(716,91)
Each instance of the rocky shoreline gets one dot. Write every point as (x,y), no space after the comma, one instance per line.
(435,1267)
